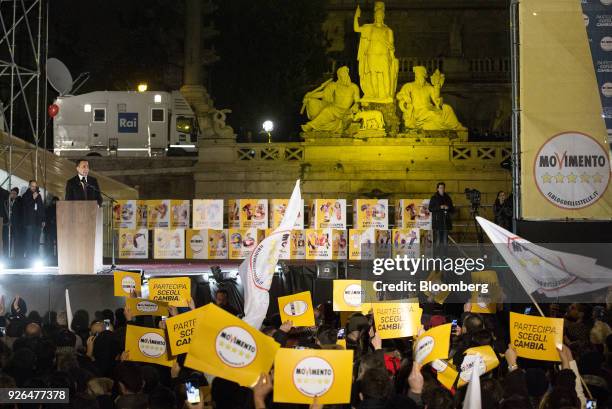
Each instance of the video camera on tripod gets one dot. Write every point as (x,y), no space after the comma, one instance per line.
(473,196)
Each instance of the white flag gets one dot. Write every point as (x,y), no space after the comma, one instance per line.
(68,311)
(257,270)
(473,400)
(550,272)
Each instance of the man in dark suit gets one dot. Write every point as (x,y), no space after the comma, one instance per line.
(33,209)
(441,208)
(82,186)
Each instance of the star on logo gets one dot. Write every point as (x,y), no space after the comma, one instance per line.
(535,261)
(546,178)
(571,178)
(597,178)
(522,262)
(584,178)
(559,177)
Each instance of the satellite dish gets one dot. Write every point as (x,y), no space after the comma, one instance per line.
(58,76)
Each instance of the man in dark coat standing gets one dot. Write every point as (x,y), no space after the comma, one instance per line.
(33,209)
(83,186)
(441,208)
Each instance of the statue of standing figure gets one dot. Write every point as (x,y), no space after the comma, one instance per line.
(378,66)
(329,107)
(423,107)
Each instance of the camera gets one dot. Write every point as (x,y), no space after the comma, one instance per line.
(473,196)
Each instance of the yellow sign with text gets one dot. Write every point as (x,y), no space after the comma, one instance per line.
(397,319)
(302,374)
(351,295)
(536,337)
(433,344)
(228,347)
(176,291)
(181,329)
(125,283)
(297,308)
(147,345)
(140,306)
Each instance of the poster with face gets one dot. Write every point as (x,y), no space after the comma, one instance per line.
(169,244)
(179,214)
(207,244)
(141,214)
(361,244)
(243,241)
(277,212)
(124,214)
(411,213)
(371,214)
(406,242)
(158,214)
(328,213)
(248,213)
(133,243)
(207,214)
(326,244)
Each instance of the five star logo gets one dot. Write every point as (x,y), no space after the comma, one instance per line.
(546,178)
(571,178)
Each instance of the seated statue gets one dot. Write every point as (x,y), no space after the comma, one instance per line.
(422,106)
(329,106)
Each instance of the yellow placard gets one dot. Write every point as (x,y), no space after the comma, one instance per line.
(488,363)
(433,344)
(228,347)
(536,337)
(297,308)
(125,282)
(397,319)
(485,303)
(302,374)
(446,373)
(141,306)
(181,329)
(352,295)
(176,291)
(435,277)
(147,345)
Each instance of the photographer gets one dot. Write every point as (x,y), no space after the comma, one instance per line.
(441,208)
(33,219)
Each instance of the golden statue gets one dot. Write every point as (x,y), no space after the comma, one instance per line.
(377,63)
(422,105)
(329,107)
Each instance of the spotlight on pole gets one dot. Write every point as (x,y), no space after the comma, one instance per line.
(268,127)
(142,87)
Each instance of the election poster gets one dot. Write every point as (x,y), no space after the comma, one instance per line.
(297,308)
(277,211)
(169,244)
(411,213)
(207,214)
(181,330)
(300,375)
(126,282)
(207,244)
(176,291)
(158,214)
(133,243)
(536,337)
(248,213)
(327,214)
(144,344)
(371,214)
(397,319)
(433,344)
(141,306)
(179,214)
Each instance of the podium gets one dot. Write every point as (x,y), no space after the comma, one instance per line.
(79,237)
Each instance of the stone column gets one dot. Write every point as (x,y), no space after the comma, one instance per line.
(192,74)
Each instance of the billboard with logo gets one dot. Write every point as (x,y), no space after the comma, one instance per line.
(565,103)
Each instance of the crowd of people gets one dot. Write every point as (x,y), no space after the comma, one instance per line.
(88,358)
(28,221)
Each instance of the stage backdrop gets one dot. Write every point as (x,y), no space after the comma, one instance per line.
(565,165)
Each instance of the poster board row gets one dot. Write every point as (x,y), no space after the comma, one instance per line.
(236,244)
(264,213)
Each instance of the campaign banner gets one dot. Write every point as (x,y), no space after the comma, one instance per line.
(124,214)
(371,214)
(565,98)
(176,291)
(169,244)
(242,242)
(433,344)
(228,347)
(406,242)
(536,337)
(141,306)
(297,308)
(144,344)
(134,243)
(300,375)
(277,211)
(158,214)
(411,213)
(125,282)
(207,244)
(179,214)
(327,213)
(181,330)
(207,214)
(397,319)
(248,213)
(361,244)
(326,244)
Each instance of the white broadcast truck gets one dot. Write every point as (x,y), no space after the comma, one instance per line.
(124,123)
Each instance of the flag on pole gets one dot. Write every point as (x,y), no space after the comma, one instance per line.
(473,399)
(68,310)
(550,272)
(257,270)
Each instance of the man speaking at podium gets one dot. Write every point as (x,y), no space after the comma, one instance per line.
(82,186)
